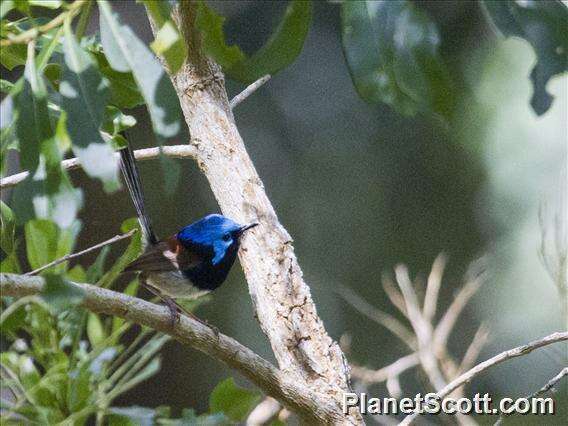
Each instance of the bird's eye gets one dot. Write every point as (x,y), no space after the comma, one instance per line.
(227,237)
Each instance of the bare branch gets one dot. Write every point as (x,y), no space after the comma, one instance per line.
(383,374)
(280,296)
(448,321)
(547,387)
(249,90)
(474,349)
(82,252)
(264,413)
(279,384)
(394,295)
(497,359)
(172,151)
(433,287)
(380,317)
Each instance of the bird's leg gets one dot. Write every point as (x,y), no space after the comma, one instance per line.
(168,301)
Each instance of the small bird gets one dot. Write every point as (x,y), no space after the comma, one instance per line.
(193,262)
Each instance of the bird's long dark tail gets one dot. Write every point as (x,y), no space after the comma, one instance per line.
(132,179)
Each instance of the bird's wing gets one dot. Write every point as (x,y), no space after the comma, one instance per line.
(165,256)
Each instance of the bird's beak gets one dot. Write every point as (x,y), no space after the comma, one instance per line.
(247,227)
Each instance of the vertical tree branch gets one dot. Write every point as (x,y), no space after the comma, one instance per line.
(281,299)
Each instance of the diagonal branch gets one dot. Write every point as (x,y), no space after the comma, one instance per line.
(549,386)
(281,298)
(82,252)
(172,151)
(310,406)
(491,362)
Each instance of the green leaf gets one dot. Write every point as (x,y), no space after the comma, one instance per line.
(84,95)
(5,7)
(77,273)
(391,49)
(132,251)
(543,25)
(45,242)
(169,42)
(96,270)
(115,121)
(13,56)
(50,4)
(5,87)
(282,48)
(124,92)
(131,416)
(33,125)
(79,392)
(61,294)
(233,401)
(41,242)
(8,229)
(95,330)
(126,52)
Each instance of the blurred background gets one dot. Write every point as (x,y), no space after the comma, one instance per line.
(362,188)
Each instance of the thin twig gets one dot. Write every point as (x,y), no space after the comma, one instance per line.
(292,393)
(34,32)
(249,90)
(448,321)
(380,317)
(172,151)
(433,287)
(474,349)
(264,413)
(497,359)
(82,252)
(547,387)
(383,374)
(394,295)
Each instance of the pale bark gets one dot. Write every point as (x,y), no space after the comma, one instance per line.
(281,298)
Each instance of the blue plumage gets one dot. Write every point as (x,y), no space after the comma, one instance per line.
(194,261)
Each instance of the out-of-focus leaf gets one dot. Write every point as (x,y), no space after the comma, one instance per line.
(61,294)
(84,95)
(5,87)
(169,42)
(131,252)
(13,319)
(543,24)
(190,418)
(8,228)
(29,376)
(124,92)
(53,73)
(391,49)
(132,416)
(95,330)
(50,4)
(77,273)
(103,359)
(41,242)
(233,401)
(126,52)
(33,125)
(115,121)
(45,242)
(5,7)
(79,391)
(66,239)
(282,48)
(13,56)
(96,270)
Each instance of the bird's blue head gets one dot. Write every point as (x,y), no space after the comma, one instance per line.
(215,234)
